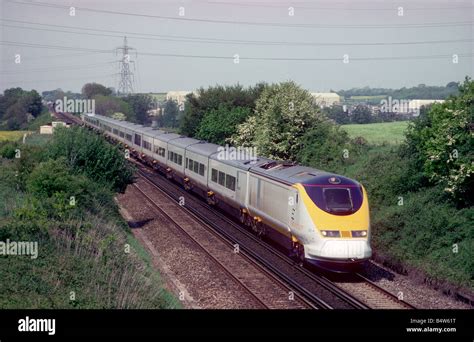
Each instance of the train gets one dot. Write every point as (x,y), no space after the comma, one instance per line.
(320,218)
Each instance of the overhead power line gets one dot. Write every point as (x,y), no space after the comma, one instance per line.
(305,5)
(252,23)
(190,39)
(242,57)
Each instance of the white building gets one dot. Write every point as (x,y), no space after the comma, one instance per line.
(413,106)
(48,129)
(178,96)
(326,99)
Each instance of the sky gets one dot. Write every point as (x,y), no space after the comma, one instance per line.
(184,45)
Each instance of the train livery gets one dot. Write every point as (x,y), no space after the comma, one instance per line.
(320,217)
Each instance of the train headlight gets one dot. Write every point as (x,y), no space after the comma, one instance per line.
(359,233)
(331,233)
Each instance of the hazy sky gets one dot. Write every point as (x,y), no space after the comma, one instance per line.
(63,51)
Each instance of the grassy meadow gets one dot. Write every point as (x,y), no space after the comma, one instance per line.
(392,133)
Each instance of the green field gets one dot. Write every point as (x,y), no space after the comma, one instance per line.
(378,133)
(11,135)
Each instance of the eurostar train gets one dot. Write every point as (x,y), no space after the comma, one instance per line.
(320,217)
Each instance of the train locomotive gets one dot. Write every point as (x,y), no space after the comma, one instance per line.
(319,217)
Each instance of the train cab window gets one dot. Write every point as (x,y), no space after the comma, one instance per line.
(201,169)
(341,200)
(230,182)
(138,140)
(338,199)
(214,175)
(221,178)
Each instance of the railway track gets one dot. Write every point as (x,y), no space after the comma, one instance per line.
(306,283)
(265,297)
(360,293)
(375,296)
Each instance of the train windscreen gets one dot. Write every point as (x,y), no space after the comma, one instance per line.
(340,200)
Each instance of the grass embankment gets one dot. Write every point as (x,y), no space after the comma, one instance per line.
(412,227)
(87,255)
(392,133)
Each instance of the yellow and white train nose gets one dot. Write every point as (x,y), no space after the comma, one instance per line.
(339,250)
(337,215)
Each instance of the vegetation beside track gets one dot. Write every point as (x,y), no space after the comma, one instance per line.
(60,195)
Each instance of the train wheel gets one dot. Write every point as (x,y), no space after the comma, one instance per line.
(248,220)
(297,252)
(243,217)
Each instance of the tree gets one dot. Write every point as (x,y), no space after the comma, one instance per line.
(197,106)
(170,113)
(441,144)
(32,102)
(361,115)
(283,114)
(108,105)
(220,124)
(140,105)
(90,90)
(53,95)
(337,113)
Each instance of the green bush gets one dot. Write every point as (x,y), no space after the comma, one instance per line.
(441,144)
(219,124)
(429,233)
(91,155)
(7,150)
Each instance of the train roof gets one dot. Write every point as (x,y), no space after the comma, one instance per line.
(241,161)
(287,172)
(183,142)
(168,136)
(203,148)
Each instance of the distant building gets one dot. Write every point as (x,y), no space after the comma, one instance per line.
(326,99)
(415,105)
(48,129)
(178,96)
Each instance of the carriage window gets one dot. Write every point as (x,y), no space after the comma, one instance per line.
(128,137)
(214,175)
(196,167)
(190,164)
(138,140)
(180,159)
(230,182)
(201,169)
(221,178)
(147,145)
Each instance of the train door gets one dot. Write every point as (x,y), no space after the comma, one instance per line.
(242,187)
(293,212)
